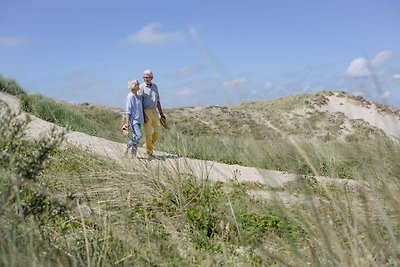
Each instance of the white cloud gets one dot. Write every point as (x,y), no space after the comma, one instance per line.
(254,92)
(358,68)
(396,76)
(385,95)
(193,31)
(185,92)
(362,67)
(149,35)
(11,41)
(307,88)
(268,85)
(84,83)
(234,84)
(187,72)
(382,57)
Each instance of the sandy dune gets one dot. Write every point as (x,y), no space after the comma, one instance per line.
(353,110)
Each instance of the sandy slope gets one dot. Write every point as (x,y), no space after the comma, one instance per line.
(353,110)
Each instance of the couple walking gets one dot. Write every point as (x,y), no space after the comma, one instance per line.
(142,104)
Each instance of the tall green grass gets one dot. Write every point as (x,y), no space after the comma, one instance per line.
(91,119)
(56,112)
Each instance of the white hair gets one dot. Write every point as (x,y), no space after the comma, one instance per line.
(132,83)
(148,72)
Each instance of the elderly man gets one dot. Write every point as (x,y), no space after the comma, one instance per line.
(151,103)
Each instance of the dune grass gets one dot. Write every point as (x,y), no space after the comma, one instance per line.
(66,207)
(91,119)
(155,216)
(11,87)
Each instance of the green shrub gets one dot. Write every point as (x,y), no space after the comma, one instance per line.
(23,159)
(27,210)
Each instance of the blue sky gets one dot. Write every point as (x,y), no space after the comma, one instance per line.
(202,52)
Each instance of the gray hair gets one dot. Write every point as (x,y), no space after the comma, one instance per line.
(148,72)
(132,83)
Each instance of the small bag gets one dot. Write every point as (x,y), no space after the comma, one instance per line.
(125,130)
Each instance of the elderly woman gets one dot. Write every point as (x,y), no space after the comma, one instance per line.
(133,116)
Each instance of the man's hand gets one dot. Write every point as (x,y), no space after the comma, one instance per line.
(145,118)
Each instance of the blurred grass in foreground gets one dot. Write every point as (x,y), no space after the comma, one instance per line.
(70,208)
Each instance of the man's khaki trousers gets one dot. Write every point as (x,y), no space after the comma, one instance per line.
(151,129)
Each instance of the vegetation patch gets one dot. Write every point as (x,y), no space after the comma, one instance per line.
(11,87)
